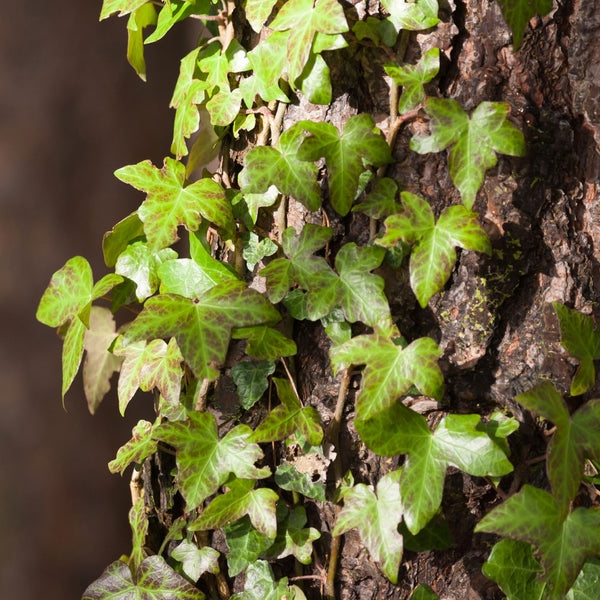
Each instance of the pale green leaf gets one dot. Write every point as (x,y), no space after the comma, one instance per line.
(123,7)
(260,584)
(255,249)
(196,561)
(287,477)
(144,16)
(412,15)
(257,12)
(136,450)
(72,353)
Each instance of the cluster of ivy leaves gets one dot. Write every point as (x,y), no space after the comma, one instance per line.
(189,308)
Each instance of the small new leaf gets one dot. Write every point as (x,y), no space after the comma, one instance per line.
(474,141)
(347,155)
(153,580)
(196,561)
(433,254)
(260,584)
(412,16)
(288,418)
(565,542)
(252,380)
(170,203)
(204,461)
(136,450)
(581,340)
(376,516)
(575,439)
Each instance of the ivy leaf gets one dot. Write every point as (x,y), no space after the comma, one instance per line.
(360,144)
(169,203)
(304,18)
(258,11)
(458,441)
(582,341)
(564,542)
(376,516)
(301,266)
(518,13)
(72,353)
(362,295)
(280,166)
(287,477)
(202,327)
(138,521)
(576,437)
(265,343)
(138,263)
(423,592)
(255,250)
(123,7)
(188,94)
(204,462)
(252,380)
(196,561)
(513,567)
(147,366)
(474,140)
(154,580)
(240,500)
(142,17)
(289,417)
(245,545)
(292,538)
(187,278)
(254,202)
(412,16)
(315,81)
(174,11)
(213,271)
(136,450)
(99,364)
(120,236)
(433,254)
(413,78)
(390,370)
(260,584)
(217,64)
(380,202)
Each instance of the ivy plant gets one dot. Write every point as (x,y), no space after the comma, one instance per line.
(217,314)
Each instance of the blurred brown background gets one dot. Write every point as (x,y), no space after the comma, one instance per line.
(71,112)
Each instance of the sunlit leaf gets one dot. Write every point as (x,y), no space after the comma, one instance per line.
(260,584)
(136,450)
(196,561)
(123,7)
(144,16)
(287,477)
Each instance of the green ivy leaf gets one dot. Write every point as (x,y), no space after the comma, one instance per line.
(123,7)
(147,366)
(252,380)
(413,78)
(280,166)
(202,327)
(240,500)
(174,11)
(564,542)
(224,107)
(254,202)
(144,16)
(587,584)
(120,236)
(412,16)
(433,254)
(260,584)
(582,341)
(186,277)
(138,521)
(289,417)
(315,81)
(380,202)
(362,296)
(196,561)
(518,13)
(292,538)
(360,144)
(301,266)
(258,11)
(72,353)
(255,250)
(458,441)
(169,203)
(376,516)
(474,140)
(576,437)
(188,94)
(136,450)
(138,263)
(304,18)
(213,271)
(423,592)
(204,461)
(153,580)
(287,477)
(265,343)
(217,65)
(99,364)
(390,370)
(245,545)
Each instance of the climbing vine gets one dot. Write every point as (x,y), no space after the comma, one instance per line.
(244,277)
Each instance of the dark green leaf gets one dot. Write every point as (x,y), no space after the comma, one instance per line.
(245,545)
(120,236)
(518,13)
(252,380)
(265,343)
(287,477)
